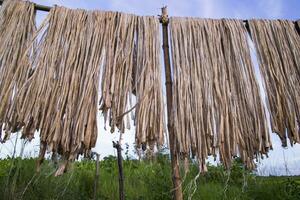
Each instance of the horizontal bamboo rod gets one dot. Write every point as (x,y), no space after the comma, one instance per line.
(48,8)
(36,6)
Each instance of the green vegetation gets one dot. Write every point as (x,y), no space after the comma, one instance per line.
(143,180)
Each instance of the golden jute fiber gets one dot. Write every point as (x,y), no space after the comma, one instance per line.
(80,57)
(278,51)
(60,98)
(150,109)
(217,105)
(132,66)
(17,26)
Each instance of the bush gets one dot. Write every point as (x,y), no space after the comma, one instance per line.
(145,179)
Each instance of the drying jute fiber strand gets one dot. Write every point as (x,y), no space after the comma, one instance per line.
(60,98)
(150,124)
(133,66)
(278,51)
(218,108)
(17,26)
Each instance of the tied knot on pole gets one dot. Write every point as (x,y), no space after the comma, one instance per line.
(164,18)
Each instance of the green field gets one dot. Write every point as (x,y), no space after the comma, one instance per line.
(143,180)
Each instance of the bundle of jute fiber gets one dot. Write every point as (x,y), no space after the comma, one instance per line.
(150,109)
(17,26)
(116,83)
(217,104)
(60,97)
(278,51)
(132,65)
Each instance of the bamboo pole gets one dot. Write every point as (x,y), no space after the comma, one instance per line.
(36,6)
(121,174)
(48,8)
(177,195)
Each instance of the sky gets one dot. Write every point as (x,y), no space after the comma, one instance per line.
(279,158)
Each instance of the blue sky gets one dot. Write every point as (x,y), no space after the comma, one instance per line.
(243,9)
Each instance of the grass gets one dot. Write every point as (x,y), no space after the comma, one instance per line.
(143,180)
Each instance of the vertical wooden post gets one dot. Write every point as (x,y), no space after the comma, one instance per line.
(96,176)
(120,166)
(164,20)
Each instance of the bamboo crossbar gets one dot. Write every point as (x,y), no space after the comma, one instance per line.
(36,6)
(48,8)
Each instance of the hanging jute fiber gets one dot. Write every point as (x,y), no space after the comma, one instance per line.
(218,109)
(60,98)
(132,65)
(150,109)
(278,51)
(17,26)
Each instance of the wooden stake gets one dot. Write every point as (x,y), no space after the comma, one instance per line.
(177,195)
(120,166)
(96,176)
